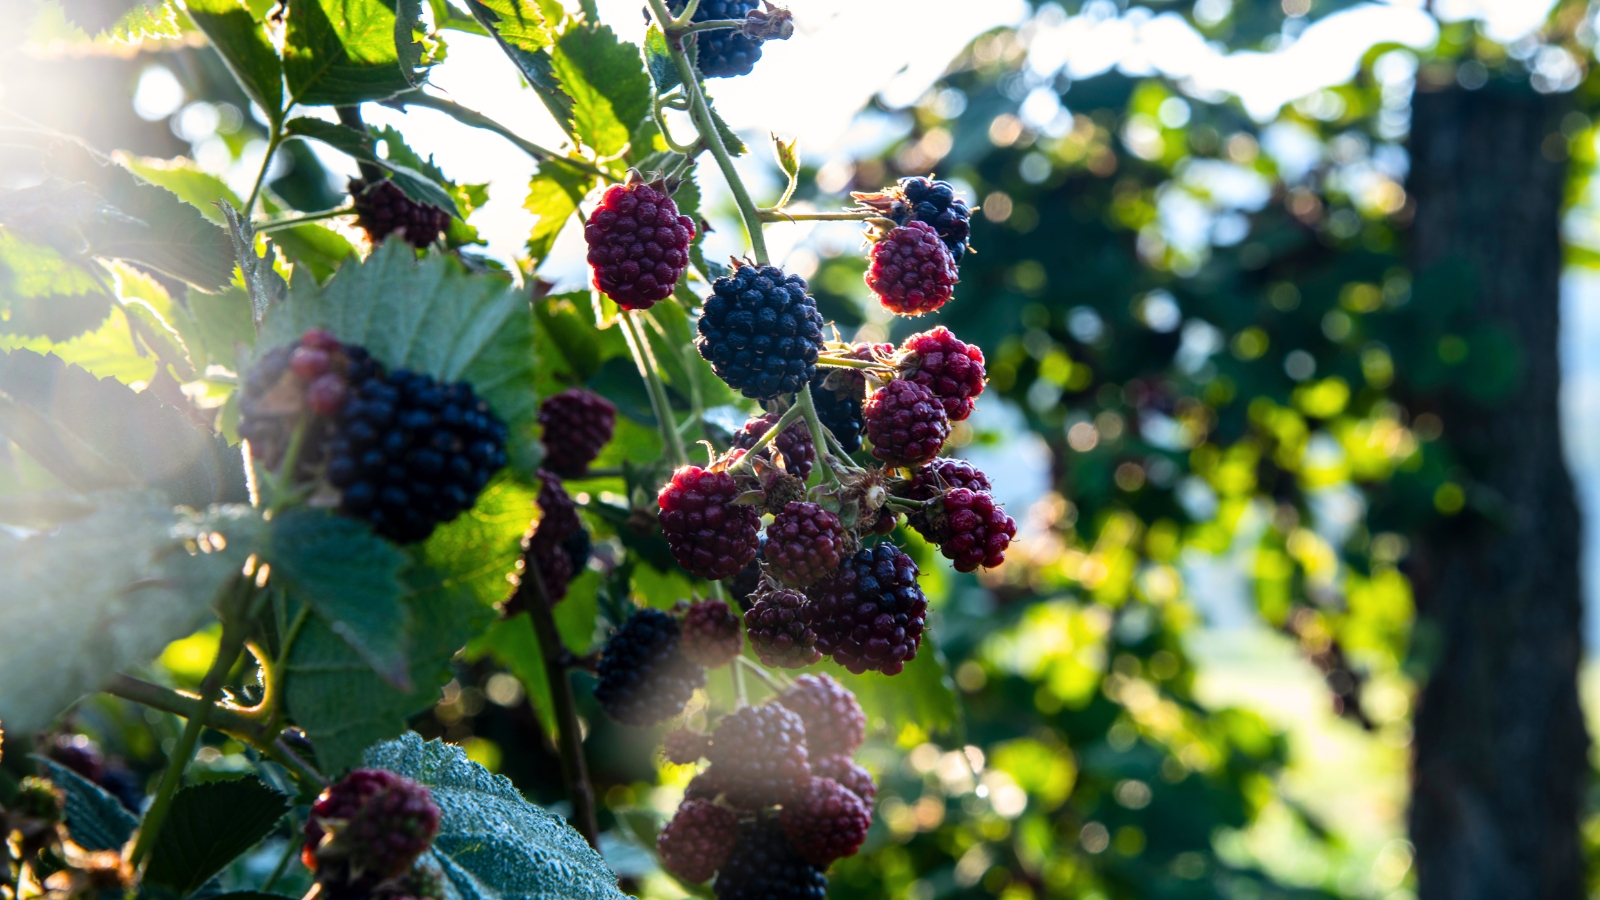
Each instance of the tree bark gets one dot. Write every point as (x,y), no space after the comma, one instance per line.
(1501,751)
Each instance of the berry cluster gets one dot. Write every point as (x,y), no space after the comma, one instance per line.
(383,209)
(793,752)
(366,833)
(396,448)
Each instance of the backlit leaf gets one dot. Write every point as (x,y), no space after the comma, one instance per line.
(341,52)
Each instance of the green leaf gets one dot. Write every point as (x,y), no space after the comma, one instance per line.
(428,315)
(482,546)
(243,45)
(524,33)
(407,49)
(343,706)
(322,250)
(575,615)
(515,645)
(42,293)
(97,433)
(202,190)
(730,139)
(341,52)
(264,285)
(221,323)
(922,693)
(207,827)
(606,80)
(95,819)
(492,843)
(363,147)
(351,579)
(447,16)
(553,196)
(107,592)
(658,60)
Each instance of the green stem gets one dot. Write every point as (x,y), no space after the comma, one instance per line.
(280,667)
(741,697)
(819,435)
(645,360)
(769,678)
(478,120)
(776,214)
(229,647)
(222,718)
(688,15)
(279,752)
(700,114)
(788,418)
(273,140)
(711,25)
(844,362)
(280,224)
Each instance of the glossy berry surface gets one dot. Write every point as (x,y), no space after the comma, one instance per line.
(765,866)
(682,746)
(804,544)
(834,721)
(711,635)
(911,271)
(795,449)
(698,840)
(906,424)
(723,52)
(638,245)
(370,825)
(383,209)
(577,425)
(951,369)
(942,475)
(761,331)
(827,823)
(780,631)
(644,678)
(870,616)
(759,756)
(708,535)
(971,530)
(849,773)
(936,203)
(410,453)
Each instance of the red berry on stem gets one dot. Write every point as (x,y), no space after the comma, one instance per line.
(308,362)
(326,395)
(708,535)
(759,756)
(848,773)
(577,426)
(369,823)
(804,544)
(906,424)
(911,270)
(711,634)
(828,823)
(638,245)
(697,841)
(943,364)
(970,529)
(793,443)
(943,474)
(779,632)
(835,723)
(682,746)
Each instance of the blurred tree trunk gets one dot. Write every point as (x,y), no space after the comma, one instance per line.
(1500,765)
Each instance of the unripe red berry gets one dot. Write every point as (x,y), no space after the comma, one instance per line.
(638,245)
(369,825)
(711,634)
(848,773)
(577,426)
(827,823)
(804,544)
(308,362)
(708,534)
(326,395)
(759,756)
(779,630)
(911,270)
(943,364)
(835,723)
(697,841)
(906,424)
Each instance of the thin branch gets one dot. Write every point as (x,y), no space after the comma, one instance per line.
(280,224)
(478,120)
(220,718)
(773,214)
(644,358)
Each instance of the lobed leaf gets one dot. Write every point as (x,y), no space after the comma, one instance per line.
(207,827)
(243,45)
(417,186)
(341,52)
(95,819)
(606,80)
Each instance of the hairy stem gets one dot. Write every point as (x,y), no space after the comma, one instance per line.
(788,418)
(643,358)
(280,224)
(778,215)
(711,25)
(273,140)
(478,120)
(700,114)
(531,595)
(234,632)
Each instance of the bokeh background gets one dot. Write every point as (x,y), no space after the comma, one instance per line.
(1208,409)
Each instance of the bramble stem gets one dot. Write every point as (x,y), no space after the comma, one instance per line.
(700,114)
(224,719)
(711,25)
(687,16)
(784,421)
(531,595)
(280,224)
(819,435)
(771,679)
(844,362)
(289,851)
(273,140)
(775,214)
(476,119)
(643,358)
(279,752)
(229,647)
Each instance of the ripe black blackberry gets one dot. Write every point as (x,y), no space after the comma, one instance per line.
(827,823)
(577,424)
(723,52)
(368,827)
(780,631)
(711,634)
(944,364)
(708,534)
(761,331)
(911,271)
(410,453)
(383,209)
(925,200)
(765,866)
(847,772)
(804,544)
(638,245)
(794,445)
(644,678)
(906,423)
(870,615)
(834,721)
(698,840)
(759,756)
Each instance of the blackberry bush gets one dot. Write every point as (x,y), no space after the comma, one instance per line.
(577,425)
(761,331)
(707,533)
(759,756)
(870,615)
(638,245)
(369,826)
(906,424)
(644,677)
(383,209)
